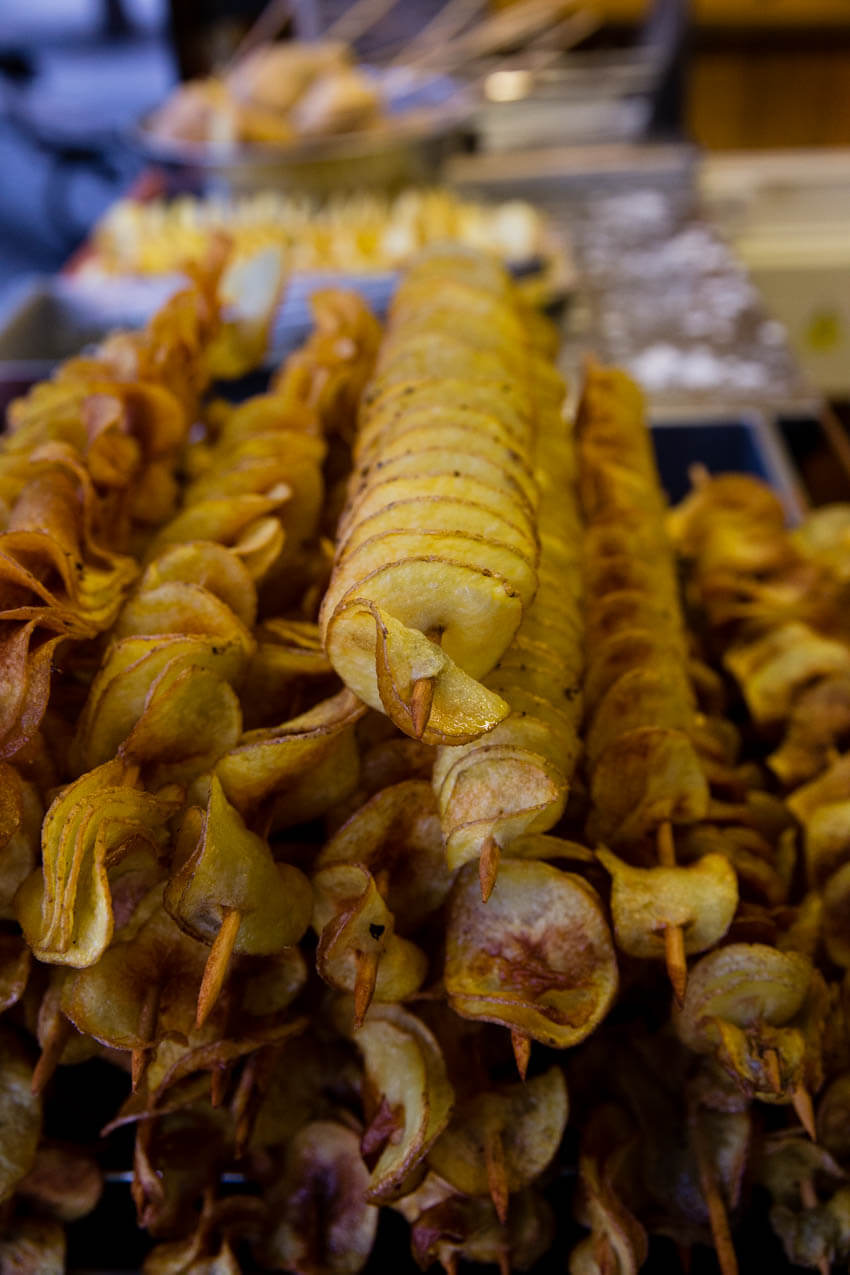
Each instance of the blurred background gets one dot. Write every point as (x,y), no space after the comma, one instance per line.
(742,105)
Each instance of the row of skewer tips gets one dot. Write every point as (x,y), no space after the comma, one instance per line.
(382,736)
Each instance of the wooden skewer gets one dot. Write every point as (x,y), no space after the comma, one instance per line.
(674,939)
(802,1103)
(497,1178)
(218,963)
(522,1051)
(57,1038)
(422,694)
(488,866)
(268,25)
(240,1100)
(218,1085)
(718,1219)
(445,24)
(147,1023)
(420,704)
(512,26)
(774,1075)
(364,984)
(357,19)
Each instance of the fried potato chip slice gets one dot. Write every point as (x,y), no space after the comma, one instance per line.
(520,1125)
(363,569)
(276,761)
(470,1229)
(537,957)
(773,668)
(501,791)
(232,870)
(20,1112)
(21,813)
(211,566)
(143,987)
(180,607)
(404,1070)
(642,779)
(476,465)
(220,519)
(701,898)
(324,1223)
(65,909)
(397,834)
(759,1012)
(819,719)
(616,1234)
(383,658)
(438,515)
(359,951)
(131,670)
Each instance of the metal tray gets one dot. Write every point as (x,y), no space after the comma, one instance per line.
(747,444)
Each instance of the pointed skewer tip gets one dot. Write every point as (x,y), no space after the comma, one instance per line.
(488,866)
(218,962)
(497,1178)
(522,1051)
(802,1104)
(364,984)
(421,699)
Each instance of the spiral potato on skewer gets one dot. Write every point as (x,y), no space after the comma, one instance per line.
(437,547)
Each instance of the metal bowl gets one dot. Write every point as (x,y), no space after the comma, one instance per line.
(427,119)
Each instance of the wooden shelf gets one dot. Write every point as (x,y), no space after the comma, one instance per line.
(743,13)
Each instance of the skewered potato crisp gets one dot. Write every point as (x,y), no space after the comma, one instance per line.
(436,560)
(369,748)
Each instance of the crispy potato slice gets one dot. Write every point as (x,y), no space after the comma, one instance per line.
(500,791)
(65,909)
(537,957)
(759,1012)
(397,833)
(21,814)
(382,657)
(232,869)
(527,1121)
(818,721)
(773,668)
(127,680)
(405,1070)
(506,400)
(475,609)
(214,568)
(324,1224)
(701,898)
(643,778)
(283,759)
(356,570)
(604,1161)
(470,1228)
(442,516)
(178,607)
(476,465)
(358,950)
(143,987)
(20,1113)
